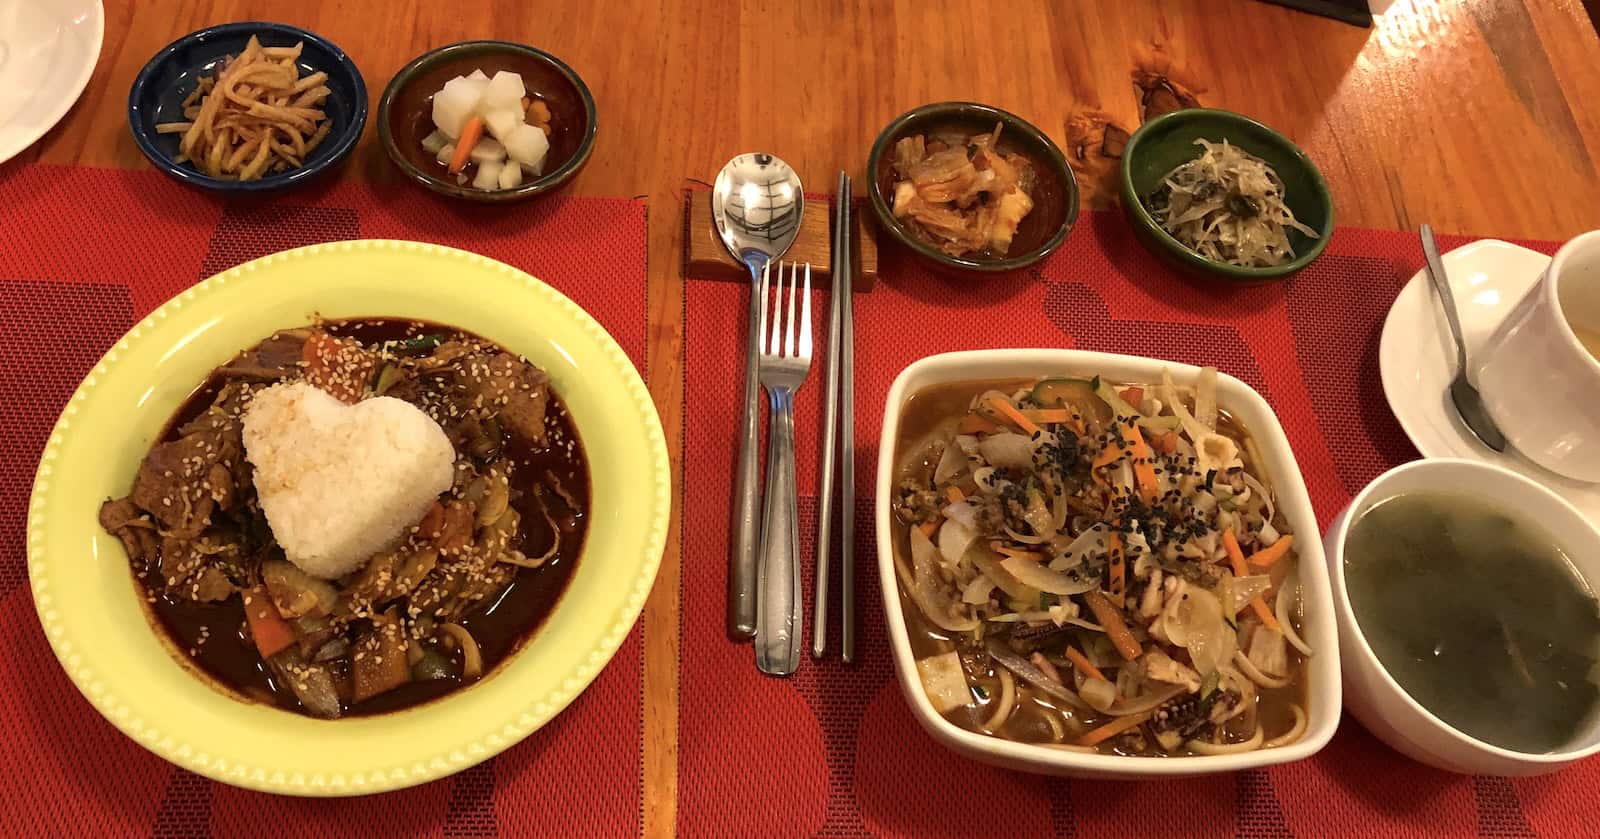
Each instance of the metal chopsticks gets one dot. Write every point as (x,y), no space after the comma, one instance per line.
(838,446)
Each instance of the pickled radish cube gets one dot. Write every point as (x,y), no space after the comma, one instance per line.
(510,175)
(456,104)
(434,142)
(488,151)
(488,175)
(479,75)
(501,122)
(528,146)
(505,90)
(445,153)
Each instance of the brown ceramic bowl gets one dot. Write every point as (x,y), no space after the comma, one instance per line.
(1055,197)
(405,114)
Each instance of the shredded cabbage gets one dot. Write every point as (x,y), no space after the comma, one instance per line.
(1227,206)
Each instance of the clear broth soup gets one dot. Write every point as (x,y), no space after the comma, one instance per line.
(1480,617)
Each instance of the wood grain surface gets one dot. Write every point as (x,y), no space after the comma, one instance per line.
(1477,116)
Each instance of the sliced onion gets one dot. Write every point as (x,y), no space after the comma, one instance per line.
(954,540)
(1006,450)
(929,592)
(962,511)
(1191,426)
(984,477)
(951,463)
(1205,398)
(1289,593)
(984,560)
(1032,674)
(471,658)
(1033,574)
(978,590)
(1089,542)
(1021,617)
(1266,495)
(1252,672)
(1145,702)
(1247,588)
(1099,693)
(1023,537)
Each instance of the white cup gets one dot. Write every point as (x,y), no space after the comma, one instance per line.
(1373,696)
(1539,381)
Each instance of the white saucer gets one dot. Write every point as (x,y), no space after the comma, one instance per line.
(48,49)
(1417,358)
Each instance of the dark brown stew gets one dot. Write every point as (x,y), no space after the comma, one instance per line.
(495,586)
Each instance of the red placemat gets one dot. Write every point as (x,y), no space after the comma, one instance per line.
(835,752)
(84,253)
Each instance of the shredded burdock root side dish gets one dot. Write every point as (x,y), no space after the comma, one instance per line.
(256,116)
(1098,567)
(1227,206)
(960,193)
(349,606)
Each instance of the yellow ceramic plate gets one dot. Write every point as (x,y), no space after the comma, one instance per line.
(86,596)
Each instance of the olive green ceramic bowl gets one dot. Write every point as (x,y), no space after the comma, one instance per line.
(405,114)
(1055,196)
(1166,142)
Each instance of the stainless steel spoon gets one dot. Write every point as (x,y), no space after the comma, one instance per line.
(756,203)
(1468,402)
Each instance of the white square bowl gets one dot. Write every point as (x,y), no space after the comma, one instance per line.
(1233,396)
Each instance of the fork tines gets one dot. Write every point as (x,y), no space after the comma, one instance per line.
(783,326)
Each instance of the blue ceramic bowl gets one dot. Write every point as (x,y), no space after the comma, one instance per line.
(159,90)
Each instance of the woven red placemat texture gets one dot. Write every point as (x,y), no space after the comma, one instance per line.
(835,752)
(84,253)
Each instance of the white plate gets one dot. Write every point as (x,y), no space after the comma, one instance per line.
(1417,358)
(48,49)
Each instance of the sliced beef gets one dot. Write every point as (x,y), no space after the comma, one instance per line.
(127,522)
(174,482)
(512,389)
(270,360)
(379,664)
(211,585)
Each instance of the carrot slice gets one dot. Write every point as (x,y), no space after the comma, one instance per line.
(1049,416)
(1112,729)
(270,631)
(471,133)
(1230,543)
(975,424)
(1083,664)
(954,494)
(1010,551)
(1107,456)
(1269,556)
(929,528)
(1010,412)
(1111,618)
(1144,470)
(1166,443)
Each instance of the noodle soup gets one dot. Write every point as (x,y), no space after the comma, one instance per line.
(1097,566)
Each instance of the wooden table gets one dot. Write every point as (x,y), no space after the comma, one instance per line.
(1473,115)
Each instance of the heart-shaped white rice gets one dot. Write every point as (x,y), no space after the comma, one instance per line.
(339,482)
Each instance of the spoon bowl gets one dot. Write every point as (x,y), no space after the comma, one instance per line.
(756,204)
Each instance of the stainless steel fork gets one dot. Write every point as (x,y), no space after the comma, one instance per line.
(782,369)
